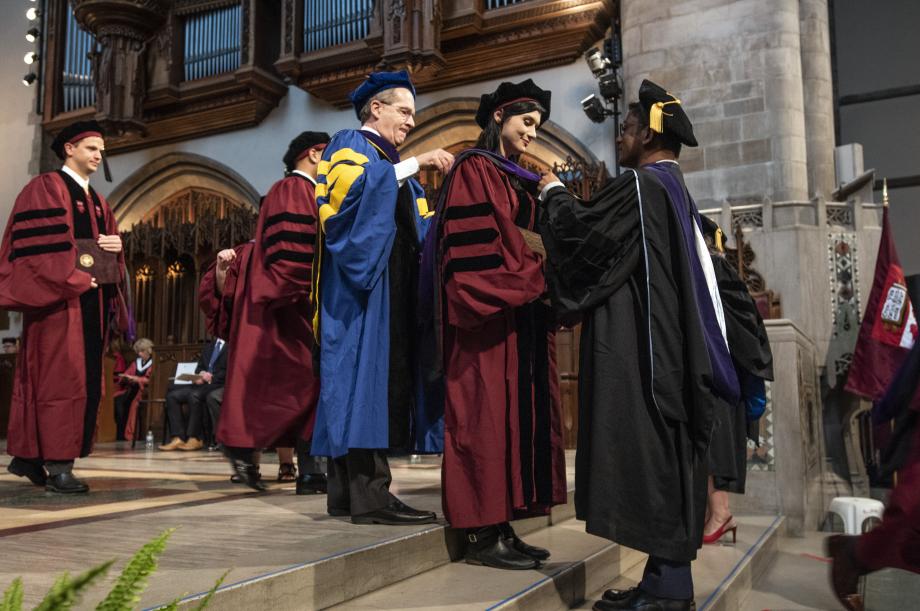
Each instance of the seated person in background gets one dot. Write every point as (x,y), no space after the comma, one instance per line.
(131,383)
(10,345)
(212,368)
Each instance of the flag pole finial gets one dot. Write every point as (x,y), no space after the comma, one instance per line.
(885,192)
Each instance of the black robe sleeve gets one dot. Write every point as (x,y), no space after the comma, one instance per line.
(747,335)
(593,246)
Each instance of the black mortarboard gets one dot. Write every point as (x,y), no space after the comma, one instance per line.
(377,82)
(509,93)
(75,132)
(710,229)
(665,113)
(301,145)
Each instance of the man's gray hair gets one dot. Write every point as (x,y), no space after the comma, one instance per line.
(387,96)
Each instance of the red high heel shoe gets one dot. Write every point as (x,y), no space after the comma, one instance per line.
(728,526)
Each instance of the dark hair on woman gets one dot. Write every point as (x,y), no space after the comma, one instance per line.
(666,140)
(491,136)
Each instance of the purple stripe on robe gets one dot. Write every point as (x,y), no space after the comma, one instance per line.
(388,149)
(725,378)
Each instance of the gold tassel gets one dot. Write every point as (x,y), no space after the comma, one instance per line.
(656,115)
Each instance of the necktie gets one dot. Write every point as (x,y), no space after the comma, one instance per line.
(218,345)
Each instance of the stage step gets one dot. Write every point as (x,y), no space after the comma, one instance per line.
(580,563)
(347,575)
(582,567)
(723,574)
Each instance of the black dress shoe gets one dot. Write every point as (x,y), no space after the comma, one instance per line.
(32,469)
(66,483)
(396,513)
(244,468)
(311,483)
(614,594)
(515,542)
(638,600)
(487,547)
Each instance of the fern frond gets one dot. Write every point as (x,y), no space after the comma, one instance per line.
(12,597)
(207,599)
(133,579)
(66,592)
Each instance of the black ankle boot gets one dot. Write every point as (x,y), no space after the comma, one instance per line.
(241,459)
(515,542)
(486,546)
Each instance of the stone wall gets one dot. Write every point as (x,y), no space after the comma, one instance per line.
(792,481)
(737,67)
(755,79)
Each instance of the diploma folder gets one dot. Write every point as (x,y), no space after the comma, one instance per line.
(185,373)
(100,264)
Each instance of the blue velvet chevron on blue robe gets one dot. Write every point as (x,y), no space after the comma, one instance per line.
(357,195)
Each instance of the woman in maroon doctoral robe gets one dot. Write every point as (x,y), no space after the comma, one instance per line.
(67,315)
(131,384)
(503,452)
(271,391)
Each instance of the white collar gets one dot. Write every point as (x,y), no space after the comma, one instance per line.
(143,365)
(371,130)
(305,175)
(83,182)
(674,161)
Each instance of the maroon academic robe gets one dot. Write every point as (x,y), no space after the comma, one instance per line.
(271,390)
(38,277)
(125,385)
(503,445)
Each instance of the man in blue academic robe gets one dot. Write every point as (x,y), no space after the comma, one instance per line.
(373,217)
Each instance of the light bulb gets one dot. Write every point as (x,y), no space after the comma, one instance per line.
(28,79)
(30,58)
(32,34)
(32,14)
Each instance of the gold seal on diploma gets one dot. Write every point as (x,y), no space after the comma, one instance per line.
(86,260)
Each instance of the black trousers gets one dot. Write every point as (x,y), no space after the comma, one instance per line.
(192,395)
(306,464)
(122,407)
(667,579)
(359,482)
(212,403)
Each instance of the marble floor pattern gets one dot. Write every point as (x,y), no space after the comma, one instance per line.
(138,494)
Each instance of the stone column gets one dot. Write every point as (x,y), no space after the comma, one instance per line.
(788,478)
(819,97)
(737,67)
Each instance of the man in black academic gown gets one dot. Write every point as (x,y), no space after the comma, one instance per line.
(632,264)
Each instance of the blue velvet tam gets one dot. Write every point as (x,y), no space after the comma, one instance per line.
(377,82)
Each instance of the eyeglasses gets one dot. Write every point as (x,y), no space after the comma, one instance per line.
(407,113)
(624,127)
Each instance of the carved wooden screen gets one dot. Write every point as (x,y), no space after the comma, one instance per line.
(168,252)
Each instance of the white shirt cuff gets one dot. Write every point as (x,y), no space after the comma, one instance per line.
(405,169)
(546,189)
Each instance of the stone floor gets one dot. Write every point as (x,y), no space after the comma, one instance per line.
(138,494)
